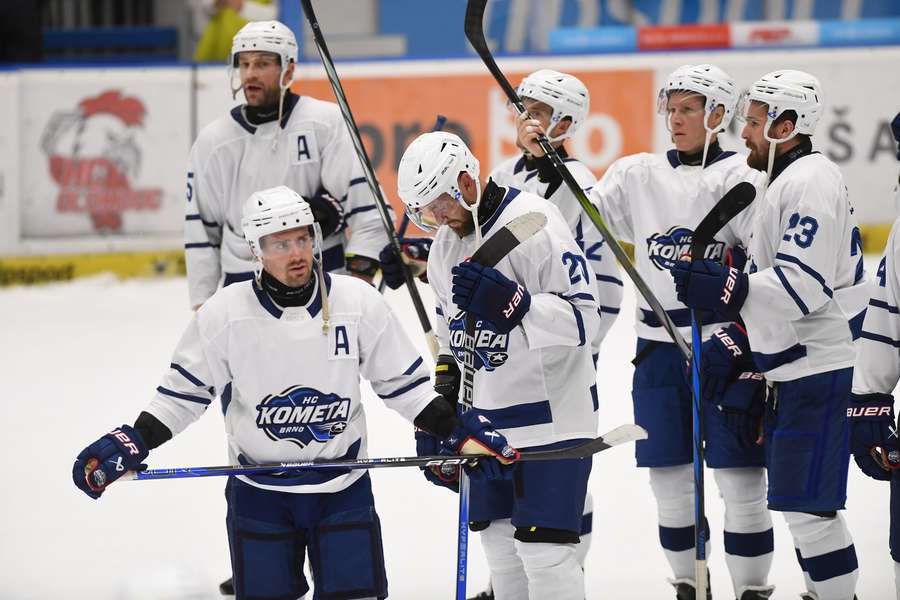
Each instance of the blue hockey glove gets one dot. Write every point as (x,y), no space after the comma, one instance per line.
(895,127)
(328,212)
(743,404)
(735,257)
(429,445)
(873,436)
(706,284)
(723,356)
(476,435)
(119,451)
(490,295)
(415,254)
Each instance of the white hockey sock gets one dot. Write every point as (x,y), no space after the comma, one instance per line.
(748,526)
(587,523)
(897,578)
(673,488)
(827,554)
(508,577)
(553,571)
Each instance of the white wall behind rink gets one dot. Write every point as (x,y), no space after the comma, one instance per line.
(142,120)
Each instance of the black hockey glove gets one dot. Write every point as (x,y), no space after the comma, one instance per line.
(328,212)
(447,377)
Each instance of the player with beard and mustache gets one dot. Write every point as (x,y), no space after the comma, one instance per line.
(802,300)
(275,138)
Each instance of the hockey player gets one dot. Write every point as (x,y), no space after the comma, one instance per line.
(276,138)
(279,409)
(535,316)
(873,430)
(655,201)
(802,302)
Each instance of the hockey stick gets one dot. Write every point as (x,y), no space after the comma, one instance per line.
(491,252)
(618,436)
(734,201)
(404,222)
(380,202)
(475,34)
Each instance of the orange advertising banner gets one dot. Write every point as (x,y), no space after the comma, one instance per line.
(392,110)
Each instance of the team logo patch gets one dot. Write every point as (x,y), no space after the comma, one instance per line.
(663,249)
(491,348)
(303,415)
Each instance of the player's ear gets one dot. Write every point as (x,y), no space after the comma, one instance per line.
(289,74)
(716,118)
(562,126)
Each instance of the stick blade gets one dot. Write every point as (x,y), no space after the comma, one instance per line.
(733,202)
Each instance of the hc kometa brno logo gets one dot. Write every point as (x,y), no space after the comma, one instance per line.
(491,347)
(302,415)
(663,249)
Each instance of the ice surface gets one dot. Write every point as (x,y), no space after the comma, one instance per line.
(80,358)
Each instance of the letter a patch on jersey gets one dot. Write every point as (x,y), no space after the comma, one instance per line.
(342,341)
(303,146)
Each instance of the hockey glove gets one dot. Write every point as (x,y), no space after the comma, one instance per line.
(119,451)
(742,405)
(489,295)
(895,127)
(706,284)
(723,356)
(328,212)
(429,445)
(873,436)
(447,378)
(415,255)
(476,435)
(361,266)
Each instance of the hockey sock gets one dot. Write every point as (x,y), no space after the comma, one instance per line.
(826,554)
(587,525)
(749,539)
(674,491)
(507,572)
(553,571)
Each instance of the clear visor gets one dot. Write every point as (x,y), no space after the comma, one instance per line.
(301,240)
(662,102)
(742,110)
(432,215)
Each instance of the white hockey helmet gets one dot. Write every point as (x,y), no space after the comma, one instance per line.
(263,36)
(711,82)
(273,210)
(565,94)
(787,90)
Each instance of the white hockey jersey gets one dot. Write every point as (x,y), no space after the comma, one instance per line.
(807,281)
(523,175)
(537,384)
(232,158)
(290,392)
(655,202)
(877,367)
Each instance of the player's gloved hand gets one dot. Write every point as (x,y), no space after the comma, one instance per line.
(328,212)
(429,445)
(743,404)
(490,295)
(708,285)
(415,255)
(895,128)
(735,257)
(447,378)
(119,451)
(361,266)
(873,437)
(476,435)
(723,356)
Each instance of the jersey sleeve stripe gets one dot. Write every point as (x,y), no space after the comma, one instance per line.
(188,397)
(438,311)
(610,279)
(197,217)
(412,368)
(357,181)
(612,310)
(187,375)
(882,304)
(790,290)
(405,388)
(808,270)
(767,362)
(881,339)
(195,245)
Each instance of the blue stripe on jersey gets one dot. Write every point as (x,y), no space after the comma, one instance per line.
(610,279)
(413,366)
(179,395)
(579,320)
(438,311)
(226,398)
(594,399)
(199,218)
(520,415)
(302,477)
(577,296)
(520,164)
(531,175)
(680,316)
(750,544)
(767,362)
(612,310)
(587,524)
(357,181)
(266,302)
(511,194)
(333,258)
(790,291)
(359,209)
(232,278)
(829,565)
(882,304)
(315,306)
(856,324)
(877,337)
(808,270)
(187,375)
(406,388)
(193,245)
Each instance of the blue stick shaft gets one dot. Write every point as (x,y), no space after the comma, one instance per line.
(462,545)
(700,533)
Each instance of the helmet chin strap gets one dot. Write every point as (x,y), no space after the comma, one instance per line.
(473,208)
(772,142)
